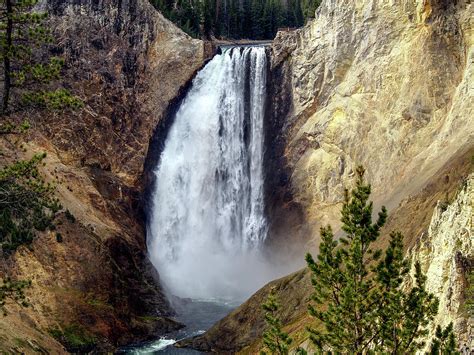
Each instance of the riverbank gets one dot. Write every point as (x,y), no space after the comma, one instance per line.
(197,316)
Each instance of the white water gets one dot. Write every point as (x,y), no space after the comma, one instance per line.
(207,222)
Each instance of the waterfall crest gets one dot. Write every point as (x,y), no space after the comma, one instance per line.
(207,222)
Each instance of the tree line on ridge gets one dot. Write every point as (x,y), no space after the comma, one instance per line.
(236,19)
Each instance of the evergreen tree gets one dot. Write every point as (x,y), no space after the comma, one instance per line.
(359,296)
(233,29)
(22,30)
(253,19)
(11,290)
(27,203)
(207,18)
(267,19)
(257,8)
(247,19)
(309,8)
(276,341)
(444,342)
(295,14)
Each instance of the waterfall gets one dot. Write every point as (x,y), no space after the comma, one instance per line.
(207,222)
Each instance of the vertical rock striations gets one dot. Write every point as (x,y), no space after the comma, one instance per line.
(386,84)
(127,62)
(446,254)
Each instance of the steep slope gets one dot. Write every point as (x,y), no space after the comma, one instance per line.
(383,84)
(446,254)
(127,63)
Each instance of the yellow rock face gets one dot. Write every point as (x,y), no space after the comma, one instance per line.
(385,84)
(388,85)
(446,253)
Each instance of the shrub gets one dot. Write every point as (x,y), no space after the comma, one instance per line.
(75,338)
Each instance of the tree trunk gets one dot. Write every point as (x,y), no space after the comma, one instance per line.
(6,57)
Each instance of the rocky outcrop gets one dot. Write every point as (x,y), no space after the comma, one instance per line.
(446,254)
(126,62)
(383,84)
(245,324)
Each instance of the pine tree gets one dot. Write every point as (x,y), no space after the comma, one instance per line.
(309,8)
(253,19)
(13,290)
(295,14)
(359,292)
(22,33)
(207,18)
(276,341)
(19,30)
(444,342)
(27,203)
(257,9)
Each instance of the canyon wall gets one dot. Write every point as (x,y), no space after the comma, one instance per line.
(446,254)
(385,84)
(126,62)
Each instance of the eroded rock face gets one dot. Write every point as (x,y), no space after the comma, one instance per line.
(245,324)
(386,84)
(446,255)
(127,63)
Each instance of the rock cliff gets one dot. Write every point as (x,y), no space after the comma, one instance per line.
(127,63)
(446,254)
(386,84)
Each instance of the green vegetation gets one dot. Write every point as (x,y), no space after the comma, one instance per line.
(102,305)
(358,292)
(74,337)
(22,34)
(251,19)
(10,128)
(27,203)
(11,290)
(70,217)
(444,342)
(275,340)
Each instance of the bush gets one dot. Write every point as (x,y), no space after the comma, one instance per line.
(70,217)
(14,291)
(75,338)
(60,99)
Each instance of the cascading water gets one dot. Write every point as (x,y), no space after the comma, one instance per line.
(207,223)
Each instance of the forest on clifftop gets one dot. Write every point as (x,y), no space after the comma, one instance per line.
(236,19)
